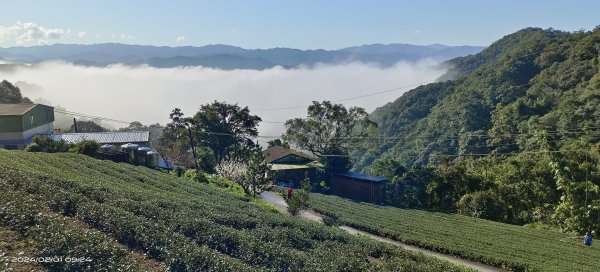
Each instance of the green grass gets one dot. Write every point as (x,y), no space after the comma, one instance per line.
(498,244)
(184,225)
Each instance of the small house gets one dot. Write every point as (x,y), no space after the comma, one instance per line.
(291,166)
(19,123)
(358,186)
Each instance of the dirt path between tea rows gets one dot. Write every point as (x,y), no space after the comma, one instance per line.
(277,201)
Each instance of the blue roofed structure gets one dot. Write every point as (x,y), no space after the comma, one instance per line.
(361,176)
(359,186)
(136,137)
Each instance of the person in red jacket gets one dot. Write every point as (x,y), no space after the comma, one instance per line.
(290,193)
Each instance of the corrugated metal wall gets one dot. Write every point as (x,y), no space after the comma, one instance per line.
(366,191)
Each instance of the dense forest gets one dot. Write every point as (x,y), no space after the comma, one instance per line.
(10,94)
(510,134)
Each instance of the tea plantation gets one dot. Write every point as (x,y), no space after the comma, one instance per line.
(501,245)
(73,206)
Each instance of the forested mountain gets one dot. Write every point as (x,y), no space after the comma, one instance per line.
(529,82)
(511,134)
(229,57)
(11,94)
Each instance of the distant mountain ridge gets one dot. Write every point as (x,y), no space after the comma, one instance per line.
(230,57)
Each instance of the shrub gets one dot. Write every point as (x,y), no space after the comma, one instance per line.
(48,145)
(330,220)
(87,147)
(179,170)
(298,202)
(482,204)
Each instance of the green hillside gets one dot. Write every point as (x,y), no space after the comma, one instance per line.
(530,81)
(11,94)
(127,218)
(502,245)
(511,134)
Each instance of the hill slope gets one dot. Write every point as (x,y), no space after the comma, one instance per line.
(72,205)
(11,94)
(531,81)
(502,245)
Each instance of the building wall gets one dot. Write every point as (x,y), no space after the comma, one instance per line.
(16,131)
(361,190)
(11,124)
(293,177)
(22,139)
(38,116)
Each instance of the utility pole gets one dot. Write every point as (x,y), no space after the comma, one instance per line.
(75,124)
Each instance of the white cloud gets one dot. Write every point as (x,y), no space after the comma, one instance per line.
(81,34)
(127,37)
(29,33)
(180,39)
(416,32)
(156,91)
(8,33)
(34,33)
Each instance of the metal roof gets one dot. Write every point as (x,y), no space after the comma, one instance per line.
(277,167)
(15,109)
(361,176)
(105,137)
(277,152)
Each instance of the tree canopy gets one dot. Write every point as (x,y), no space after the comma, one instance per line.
(330,131)
(87,126)
(218,131)
(11,94)
(514,126)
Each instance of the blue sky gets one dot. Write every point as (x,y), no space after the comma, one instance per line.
(304,24)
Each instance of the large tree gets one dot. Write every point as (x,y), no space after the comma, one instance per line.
(330,131)
(225,129)
(216,132)
(179,138)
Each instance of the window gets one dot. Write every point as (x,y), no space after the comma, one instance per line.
(31,120)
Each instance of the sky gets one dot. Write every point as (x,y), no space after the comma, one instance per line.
(306,24)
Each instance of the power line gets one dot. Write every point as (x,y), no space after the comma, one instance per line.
(391,90)
(480,154)
(431,150)
(394,140)
(350,98)
(89,116)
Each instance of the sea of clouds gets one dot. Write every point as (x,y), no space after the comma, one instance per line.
(148,94)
